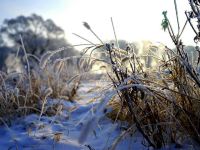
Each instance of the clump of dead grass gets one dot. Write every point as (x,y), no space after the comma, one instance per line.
(28,92)
(165,110)
(162,104)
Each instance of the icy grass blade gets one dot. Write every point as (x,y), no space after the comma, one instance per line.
(47,56)
(99,111)
(87,129)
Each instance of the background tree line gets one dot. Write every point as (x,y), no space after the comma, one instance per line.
(38,36)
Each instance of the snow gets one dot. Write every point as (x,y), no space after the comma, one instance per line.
(62,131)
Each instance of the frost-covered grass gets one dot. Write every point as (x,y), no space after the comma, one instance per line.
(138,107)
(161,102)
(62,131)
(162,106)
(27,92)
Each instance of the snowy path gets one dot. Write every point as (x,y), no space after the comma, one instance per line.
(61,132)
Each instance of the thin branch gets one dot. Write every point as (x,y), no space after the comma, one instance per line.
(87,26)
(183,28)
(114,33)
(176,9)
(84,39)
(96,36)
(191,23)
(171,32)
(27,63)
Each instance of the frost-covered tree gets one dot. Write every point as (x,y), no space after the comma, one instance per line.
(38,35)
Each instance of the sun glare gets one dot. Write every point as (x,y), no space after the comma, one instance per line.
(134,20)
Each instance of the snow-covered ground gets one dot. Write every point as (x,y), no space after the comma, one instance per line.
(62,131)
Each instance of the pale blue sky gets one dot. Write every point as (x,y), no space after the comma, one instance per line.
(134,19)
(12,8)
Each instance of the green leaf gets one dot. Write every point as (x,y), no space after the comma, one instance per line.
(165,21)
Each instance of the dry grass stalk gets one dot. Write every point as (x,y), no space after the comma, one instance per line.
(23,93)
